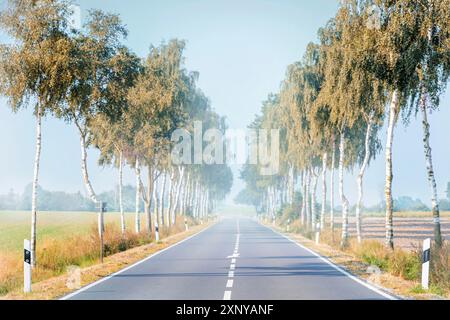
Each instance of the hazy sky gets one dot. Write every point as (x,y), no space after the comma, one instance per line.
(241,49)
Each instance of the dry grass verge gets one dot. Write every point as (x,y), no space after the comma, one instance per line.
(50,277)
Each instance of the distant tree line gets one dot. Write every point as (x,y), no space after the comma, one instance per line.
(401,204)
(64,201)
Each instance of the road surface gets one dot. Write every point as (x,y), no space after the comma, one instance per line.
(235,259)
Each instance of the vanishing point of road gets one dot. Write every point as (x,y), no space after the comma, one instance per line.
(234,259)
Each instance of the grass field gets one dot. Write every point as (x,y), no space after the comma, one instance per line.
(15,226)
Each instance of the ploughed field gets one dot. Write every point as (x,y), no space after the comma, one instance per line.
(409,232)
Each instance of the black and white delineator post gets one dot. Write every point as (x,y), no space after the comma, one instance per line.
(26,266)
(186,224)
(426,263)
(101,206)
(288,225)
(156,230)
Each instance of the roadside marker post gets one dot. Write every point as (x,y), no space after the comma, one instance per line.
(186,224)
(26,266)
(426,263)
(317,233)
(102,209)
(156,231)
(288,225)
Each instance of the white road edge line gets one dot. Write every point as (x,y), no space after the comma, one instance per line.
(365,284)
(227,295)
(70,295)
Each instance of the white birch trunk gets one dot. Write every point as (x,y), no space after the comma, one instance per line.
(155,207)
(430,170)
(205,212)
(84,169)
(37,158)
(161,197)
(149,197)
(194,199)
(307,198)
(393,112)
(122,214)
(314,217)
(177,193)
(185,195)
(303,212)
(272,194)
(360,178)
(199,201)
(202,203)
(324,189)
(85,174)
(333,166)
(207,203)
(137,219)
(344,201)
(292,186)
(191,196)
(170,194)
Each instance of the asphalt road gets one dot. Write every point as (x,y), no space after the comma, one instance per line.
(235,259)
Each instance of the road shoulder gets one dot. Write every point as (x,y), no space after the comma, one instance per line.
(383,281)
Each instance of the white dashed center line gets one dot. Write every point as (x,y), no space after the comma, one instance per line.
(229,285)
(227,295)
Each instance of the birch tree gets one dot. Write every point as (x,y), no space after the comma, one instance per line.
(433,74)
(97,69)
(35,69)
(392,52)
(115,139)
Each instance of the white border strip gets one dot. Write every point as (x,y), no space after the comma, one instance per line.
(70,295)
(227,295)
(364,283)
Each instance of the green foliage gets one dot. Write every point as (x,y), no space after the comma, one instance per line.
(63,201)
(36,68)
